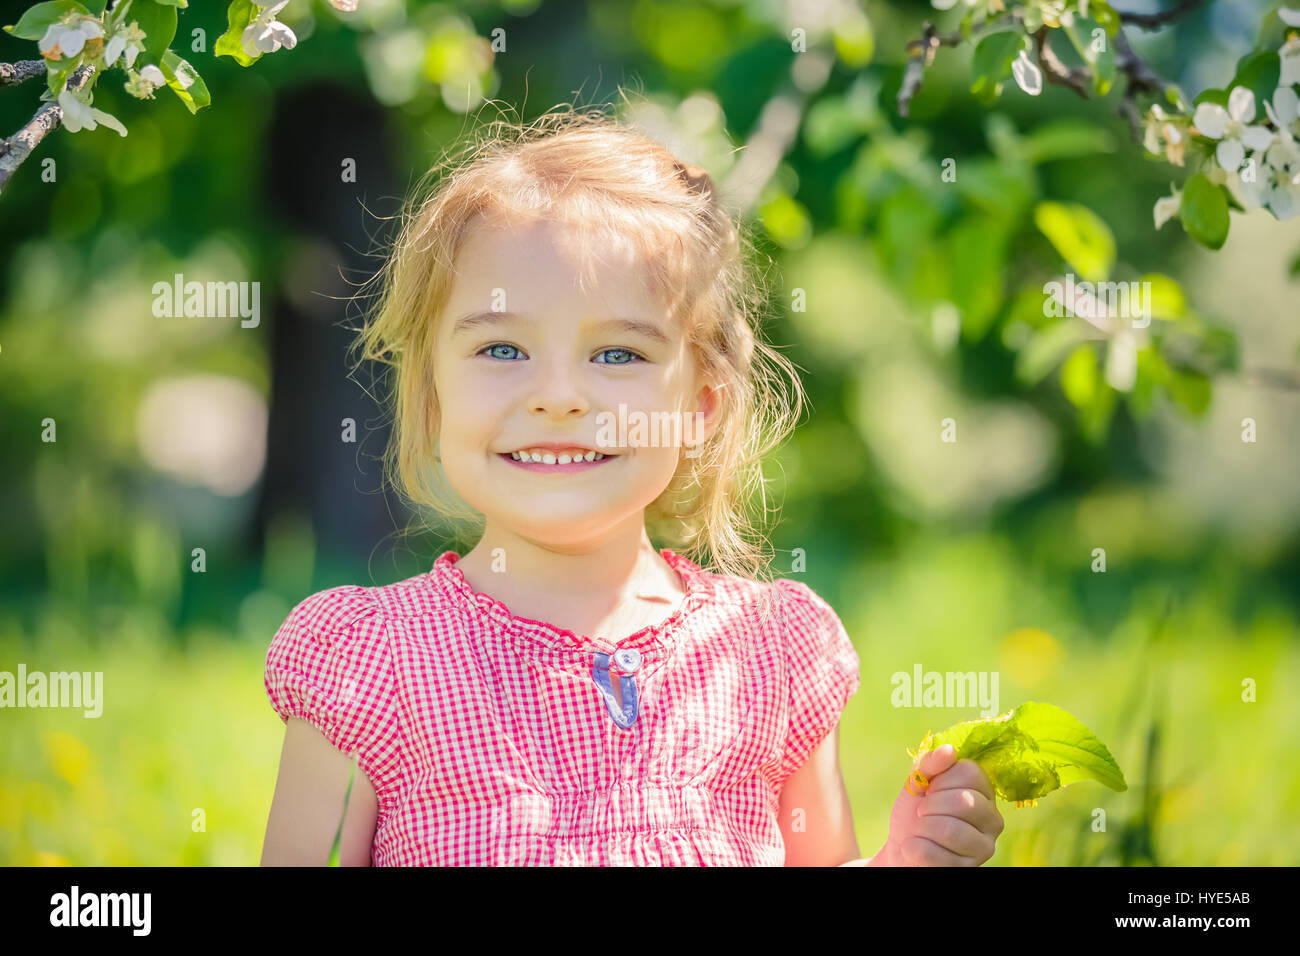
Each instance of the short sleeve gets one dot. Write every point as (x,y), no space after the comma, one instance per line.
(821,670)
(331,665)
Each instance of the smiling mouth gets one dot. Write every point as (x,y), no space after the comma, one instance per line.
(551,461)
(548,456)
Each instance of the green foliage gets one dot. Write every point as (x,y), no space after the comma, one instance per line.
(158,21)
(1204,211)
(1081,237)
(240,14)
(994,55)
(1030,751)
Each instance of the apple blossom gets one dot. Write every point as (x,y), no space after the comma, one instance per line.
(68,37)
(78,115)
(1231,128)
(266,34)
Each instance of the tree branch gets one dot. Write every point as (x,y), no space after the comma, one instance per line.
(19,146)
(1150,21)
(1140,79)
(920,55)
(20,71)
(1076,78)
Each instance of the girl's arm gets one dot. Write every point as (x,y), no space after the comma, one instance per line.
(815,817)
(308,802)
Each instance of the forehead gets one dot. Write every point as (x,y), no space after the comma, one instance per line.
(542,263)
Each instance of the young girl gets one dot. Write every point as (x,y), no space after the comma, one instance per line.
(564,693)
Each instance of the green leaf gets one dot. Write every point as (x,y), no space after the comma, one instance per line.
(231,43)
(57,73)
(1167,298)
(992,63)
(1080,376)
(1067,139)
(855,42)
(1103,70)
(1212,95)
(1105,14)
(38,18)
(195,96)
(1081,237)
(978,261)
(1045,349)
(158,21)
(1028,752)
(1204,212)
(1259,73)
(1191,389)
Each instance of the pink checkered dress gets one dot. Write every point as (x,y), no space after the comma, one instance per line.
(492,739)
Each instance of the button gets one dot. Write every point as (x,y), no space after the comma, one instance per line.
(628,659)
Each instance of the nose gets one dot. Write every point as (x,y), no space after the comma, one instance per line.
(558,393)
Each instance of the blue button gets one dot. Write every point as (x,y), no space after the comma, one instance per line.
(628,659)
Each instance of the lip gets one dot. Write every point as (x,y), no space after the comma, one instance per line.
(561,446)
(571,467)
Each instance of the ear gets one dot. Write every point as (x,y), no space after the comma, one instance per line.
(708,404)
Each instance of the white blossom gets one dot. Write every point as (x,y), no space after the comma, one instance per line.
(1290,17)
(1290,54)
(1231,128)
(127,42)
(67,38)
(266,34)
(1028,77)
(78,115)
(1167,207)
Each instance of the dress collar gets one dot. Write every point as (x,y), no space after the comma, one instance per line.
(695,581)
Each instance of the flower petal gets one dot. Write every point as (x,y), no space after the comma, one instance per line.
(51,38)
(1166,208)
(1257,137)
(1229,153)
(1290,17)
(1211,120)
(76,114)
(249,40)
(113,49)
(283,35)
(1028,77)
(1241,104)
(112,122)
(1286,106)
(72,42)
(1285,202)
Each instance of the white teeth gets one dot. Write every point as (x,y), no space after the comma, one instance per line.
(550,458)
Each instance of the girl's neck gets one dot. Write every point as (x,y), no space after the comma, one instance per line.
(606,586)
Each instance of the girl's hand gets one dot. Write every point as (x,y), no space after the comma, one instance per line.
(954,823)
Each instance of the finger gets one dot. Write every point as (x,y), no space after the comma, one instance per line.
(957,837)
(937,761)
(920,851)
(965,804)
(964,774)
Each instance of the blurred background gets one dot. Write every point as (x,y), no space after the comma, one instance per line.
(907,299)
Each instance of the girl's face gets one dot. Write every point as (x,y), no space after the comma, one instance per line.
(524,358)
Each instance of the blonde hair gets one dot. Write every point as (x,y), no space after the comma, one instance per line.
(608,180)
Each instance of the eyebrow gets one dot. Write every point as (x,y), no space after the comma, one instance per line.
(637,326)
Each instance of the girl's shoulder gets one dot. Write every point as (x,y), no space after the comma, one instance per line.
(354,612)
(782,600)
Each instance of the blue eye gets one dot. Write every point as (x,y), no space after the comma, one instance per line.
(628,352)
(500,345)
